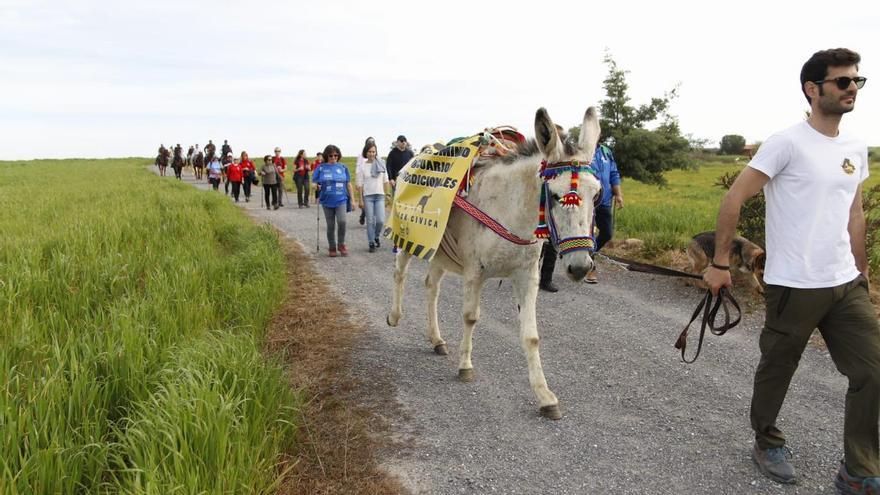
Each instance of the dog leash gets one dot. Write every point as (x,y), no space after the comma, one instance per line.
(709,305)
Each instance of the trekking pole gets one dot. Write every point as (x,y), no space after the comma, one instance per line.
(317,228)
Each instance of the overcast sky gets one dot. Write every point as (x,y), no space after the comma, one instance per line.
(95,78)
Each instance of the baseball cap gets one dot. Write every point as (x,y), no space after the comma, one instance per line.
(401,138)
(229,154)
(277,148)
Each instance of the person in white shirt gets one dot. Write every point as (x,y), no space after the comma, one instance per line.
(371,178)
(358,161)
(816,270)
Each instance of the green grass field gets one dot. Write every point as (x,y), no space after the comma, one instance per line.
(132,311)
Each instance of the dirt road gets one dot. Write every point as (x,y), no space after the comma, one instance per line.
(635,419)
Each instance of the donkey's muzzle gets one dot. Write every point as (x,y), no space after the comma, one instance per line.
(578,272)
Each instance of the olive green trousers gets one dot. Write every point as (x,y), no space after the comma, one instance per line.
(848,323)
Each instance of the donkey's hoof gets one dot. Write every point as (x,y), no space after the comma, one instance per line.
(551,412)
(390,322)
(440,349)
(466,375)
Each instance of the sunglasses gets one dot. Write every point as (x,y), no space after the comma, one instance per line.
(843,82)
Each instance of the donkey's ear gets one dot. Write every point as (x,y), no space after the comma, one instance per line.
(547,136)
(589,132)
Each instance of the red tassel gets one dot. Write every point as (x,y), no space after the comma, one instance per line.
(571,199)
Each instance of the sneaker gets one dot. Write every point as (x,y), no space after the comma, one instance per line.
(848,484)
(774,463)
(394,250)
(548,287)
(372,248)
(591,277)
(277,206)
(343,250)
(377,244)
(332,253)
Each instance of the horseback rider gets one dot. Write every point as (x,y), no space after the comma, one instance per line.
(210,150)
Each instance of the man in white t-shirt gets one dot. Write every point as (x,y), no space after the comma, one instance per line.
(816,270)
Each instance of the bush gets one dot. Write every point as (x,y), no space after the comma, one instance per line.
(871,205)
(751,216)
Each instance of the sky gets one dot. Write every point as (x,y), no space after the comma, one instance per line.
(96,78)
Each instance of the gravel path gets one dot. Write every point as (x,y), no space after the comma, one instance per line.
(635,419)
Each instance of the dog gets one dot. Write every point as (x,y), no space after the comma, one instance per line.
(745,256)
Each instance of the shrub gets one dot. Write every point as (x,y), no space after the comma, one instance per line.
(871,205)
(751,216)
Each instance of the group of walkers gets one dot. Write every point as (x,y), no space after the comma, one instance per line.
(374,179)
(333,188)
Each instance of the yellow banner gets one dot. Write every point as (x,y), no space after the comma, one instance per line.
(423,196)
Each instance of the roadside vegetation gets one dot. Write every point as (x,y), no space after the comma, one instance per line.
(132,314)
(665,217)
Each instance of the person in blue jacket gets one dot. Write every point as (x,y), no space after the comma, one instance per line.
(606,169)
(333,181)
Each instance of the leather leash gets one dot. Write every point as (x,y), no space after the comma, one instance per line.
(709,305)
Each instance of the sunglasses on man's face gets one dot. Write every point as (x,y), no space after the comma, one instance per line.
(843,82)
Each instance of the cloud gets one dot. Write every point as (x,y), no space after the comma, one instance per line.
(301,74)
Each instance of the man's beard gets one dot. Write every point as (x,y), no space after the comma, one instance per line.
(836,106)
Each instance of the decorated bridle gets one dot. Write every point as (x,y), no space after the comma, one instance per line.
(546,225)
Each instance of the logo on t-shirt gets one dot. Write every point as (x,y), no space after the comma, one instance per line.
(848,167)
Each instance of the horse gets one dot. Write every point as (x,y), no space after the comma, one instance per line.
(509,189)
(162,160)
(198,163)
(177,161)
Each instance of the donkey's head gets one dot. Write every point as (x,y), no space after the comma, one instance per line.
(569,191)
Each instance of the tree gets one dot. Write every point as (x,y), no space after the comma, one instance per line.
(732,144)
(640,153)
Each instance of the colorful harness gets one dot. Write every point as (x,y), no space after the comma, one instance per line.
(546,225)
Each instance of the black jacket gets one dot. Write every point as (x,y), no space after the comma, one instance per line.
(396,160)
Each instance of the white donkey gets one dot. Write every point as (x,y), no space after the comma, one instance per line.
(509,189)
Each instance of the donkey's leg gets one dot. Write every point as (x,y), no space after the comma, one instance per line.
(472,286)
(525,286)
(401,263)
(432,284)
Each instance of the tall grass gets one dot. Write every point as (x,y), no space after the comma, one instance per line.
(131,312)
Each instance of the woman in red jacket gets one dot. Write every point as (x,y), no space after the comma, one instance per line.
(301,178)
(235,174)
(250,173)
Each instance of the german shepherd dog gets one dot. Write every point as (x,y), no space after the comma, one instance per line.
(745,256)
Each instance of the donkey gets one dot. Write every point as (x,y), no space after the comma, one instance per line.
(423,201)
(509,189)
